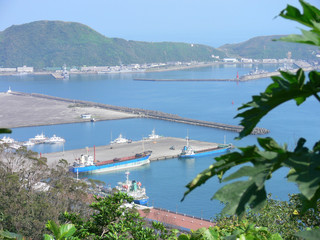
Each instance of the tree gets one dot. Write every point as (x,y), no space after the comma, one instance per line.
(31,193)
(256,165)
(112,219)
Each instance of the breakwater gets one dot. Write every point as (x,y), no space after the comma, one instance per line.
(186,80)
(146,113)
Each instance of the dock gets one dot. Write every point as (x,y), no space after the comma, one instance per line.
(176,220)
(187,80)
(162,148)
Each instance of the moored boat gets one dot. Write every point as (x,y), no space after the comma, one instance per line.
(153,135)
(40,138)
(55,139)
(188,152)
(7,140)
(121,139)
(133,189)
(87,164)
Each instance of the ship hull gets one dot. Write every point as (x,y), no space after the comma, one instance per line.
(206,153)
(141,201)
(112,166)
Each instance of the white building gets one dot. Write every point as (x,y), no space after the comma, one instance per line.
(246,60)
(8,69)
(230,60)
(25,69)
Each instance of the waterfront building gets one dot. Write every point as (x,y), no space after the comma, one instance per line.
(25,69)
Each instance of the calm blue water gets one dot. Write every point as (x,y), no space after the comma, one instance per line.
(212,101)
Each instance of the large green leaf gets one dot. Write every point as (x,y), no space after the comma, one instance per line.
(4,130)
(288,87)
(310,235)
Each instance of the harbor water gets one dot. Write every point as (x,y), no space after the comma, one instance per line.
(209,101)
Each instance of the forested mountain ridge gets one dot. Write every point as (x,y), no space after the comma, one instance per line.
(54,43)
(264,47)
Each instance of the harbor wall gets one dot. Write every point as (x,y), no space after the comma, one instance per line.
(143,113)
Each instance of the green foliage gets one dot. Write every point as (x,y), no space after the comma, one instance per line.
(310,18)
(10,236)
(4,130)
(25,207)
(255,166)
(264,47)
(54,43)
(232,231)
(112,220)
(59,232)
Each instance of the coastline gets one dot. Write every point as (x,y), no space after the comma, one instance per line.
(158,69)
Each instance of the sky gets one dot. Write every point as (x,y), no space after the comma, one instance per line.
(209,22)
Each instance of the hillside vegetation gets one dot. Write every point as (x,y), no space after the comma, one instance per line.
(54,43)
(264,47)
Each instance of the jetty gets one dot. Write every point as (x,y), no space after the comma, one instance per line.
(180,221)
(126,112)
(162,148)
(187,80)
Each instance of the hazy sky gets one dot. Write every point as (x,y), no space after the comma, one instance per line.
(211,22)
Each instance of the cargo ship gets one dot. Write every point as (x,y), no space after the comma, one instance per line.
(188,152)
(86,163)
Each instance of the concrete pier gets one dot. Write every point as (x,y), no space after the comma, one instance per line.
(161,149)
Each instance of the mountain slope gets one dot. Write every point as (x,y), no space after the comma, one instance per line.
(264,47)
(54,43)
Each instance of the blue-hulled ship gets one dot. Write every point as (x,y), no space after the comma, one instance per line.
(86,164)
(188,152)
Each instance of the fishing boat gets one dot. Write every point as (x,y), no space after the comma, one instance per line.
(133,189)
(7,140)
(188,152)
(153,135)
(28,143)
(40,138)
(121,139)
(87,164)
(55,139)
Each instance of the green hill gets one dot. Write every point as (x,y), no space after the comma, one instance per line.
(54,43)
(264,47)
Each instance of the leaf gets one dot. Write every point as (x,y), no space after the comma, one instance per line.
(310,235)
(67,230)
(288,87)
(54,228)
(251,190)
(306,172)
(48,237)
(5,130)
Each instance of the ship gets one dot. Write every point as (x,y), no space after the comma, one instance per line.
(133,189)
(152,136)
(87,164)
(55,139)
(39,138)
(188,152)
(121,139)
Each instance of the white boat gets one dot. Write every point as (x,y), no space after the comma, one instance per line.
(121,139)
(153,135)
(7,140)
(28,143)
(40,138)
(55,139)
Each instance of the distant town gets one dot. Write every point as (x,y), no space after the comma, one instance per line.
(63,72)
